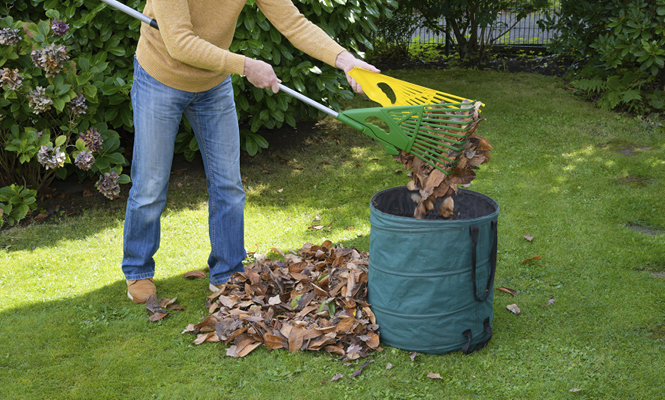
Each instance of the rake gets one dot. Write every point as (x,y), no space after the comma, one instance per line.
(389,91)
(428,131)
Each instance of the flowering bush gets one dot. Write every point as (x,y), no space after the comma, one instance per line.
(48,109)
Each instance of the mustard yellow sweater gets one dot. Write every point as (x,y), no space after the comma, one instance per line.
(190,50)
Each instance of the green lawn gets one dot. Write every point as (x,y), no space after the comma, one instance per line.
(587,184)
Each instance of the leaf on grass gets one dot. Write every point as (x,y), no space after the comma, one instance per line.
(513,308)
(413,355)
(280,190)
(189,328)
(176,307)
(157,316)
(319,227)
(336,377)
(299,167)
(507,290)
(528,237)
(575,390)
(326,162)
(164,303)
(195,274)
(359,370)
(432,375)
(531,259)
(389,366)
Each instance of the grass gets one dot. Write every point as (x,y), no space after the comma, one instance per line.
(560,171)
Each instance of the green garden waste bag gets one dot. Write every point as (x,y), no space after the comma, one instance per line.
(431,280)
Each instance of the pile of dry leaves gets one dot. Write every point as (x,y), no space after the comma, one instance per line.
(313,300)
(430,183)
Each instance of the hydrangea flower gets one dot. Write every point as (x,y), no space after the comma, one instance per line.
(38,100)
(59,27)
(109,185)
(50,157)
(93,140)
(77,105)
(9,36)
(84,160)
(51,59)
(11,79)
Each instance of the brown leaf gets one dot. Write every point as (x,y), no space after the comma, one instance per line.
(531,259)
(507,290)
(273,341)
(295,338)
(319,227)
(152,304)
(195,274)
(88,193)
(447,206)
(39,217)
(247,349)
(164,303)
(432,375)
(176,307)
(157,316)
(336,377)
(359,370)
(513,308)
(528,237)
(413,355)
(326,162)
(265,171)
(299,167)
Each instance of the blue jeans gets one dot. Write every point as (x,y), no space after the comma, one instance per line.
(158,110)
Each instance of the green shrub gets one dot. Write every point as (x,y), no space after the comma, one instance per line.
(620,47)
(49,105)
(101,33)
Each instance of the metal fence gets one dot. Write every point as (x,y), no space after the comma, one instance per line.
(525,32)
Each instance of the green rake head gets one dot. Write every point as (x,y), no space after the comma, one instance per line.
(434,133)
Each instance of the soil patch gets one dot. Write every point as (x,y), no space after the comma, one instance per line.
(644,229)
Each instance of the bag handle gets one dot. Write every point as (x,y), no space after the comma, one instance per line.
(469,335)
(473,231)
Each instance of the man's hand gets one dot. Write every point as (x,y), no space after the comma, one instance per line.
(346,61)
(261,75)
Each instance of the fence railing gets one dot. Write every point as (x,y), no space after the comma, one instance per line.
(525,32)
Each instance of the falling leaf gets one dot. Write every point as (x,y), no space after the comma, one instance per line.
(531,259)
(507,290)
(447,207)
(528,237)
(432,375)
(336,377)
(514,309)
(195,274)
(389,366)
(413,355)
(575,390)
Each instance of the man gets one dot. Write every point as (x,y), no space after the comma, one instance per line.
(184,67)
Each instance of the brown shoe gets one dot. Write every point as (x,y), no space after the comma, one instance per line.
(139,291)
